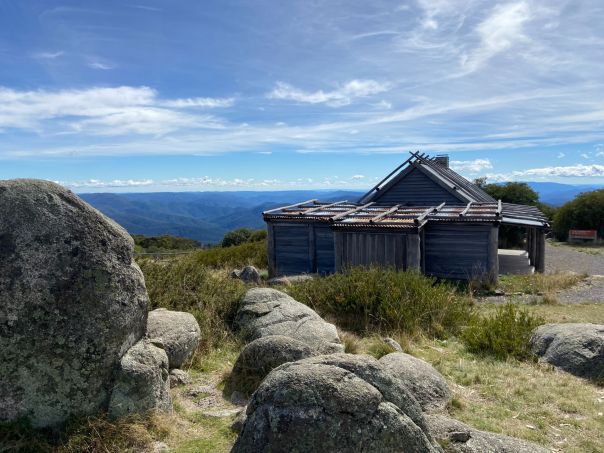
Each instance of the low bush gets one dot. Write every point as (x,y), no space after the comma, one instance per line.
(241,236)
(363,299)
(248,253)
(209,294)
(505,333)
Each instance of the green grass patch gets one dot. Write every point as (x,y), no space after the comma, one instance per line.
(369,299)
(503,334)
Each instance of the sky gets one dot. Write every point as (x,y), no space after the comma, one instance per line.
(191,95)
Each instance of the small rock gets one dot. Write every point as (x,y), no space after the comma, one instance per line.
(179,377)
(458,437)
(238,399)
(178,331)
(159,447)
(142,382)
(249,274)
(235,273)
(393,344)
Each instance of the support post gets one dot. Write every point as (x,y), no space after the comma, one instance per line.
(413,258)
(540,258)
(493,256)
(270,240)
(533,246)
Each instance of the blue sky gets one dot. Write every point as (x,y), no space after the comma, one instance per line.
(190,95)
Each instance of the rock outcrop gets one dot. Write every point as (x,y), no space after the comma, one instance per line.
(265,311)
(261,356)
(575,348)
(289,279)
(335,403)
(72,302)
(178,331)
(142,382)
(457,437)
(425,383)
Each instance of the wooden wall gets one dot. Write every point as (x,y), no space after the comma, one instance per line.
(461,251)
(300,248)
(397,250)
(416,189)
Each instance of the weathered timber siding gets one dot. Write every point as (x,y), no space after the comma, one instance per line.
(301,248)
(324,246)
(366,248)
(460,251)
(416,189)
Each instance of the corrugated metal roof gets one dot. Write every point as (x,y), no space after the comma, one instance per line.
(353,215)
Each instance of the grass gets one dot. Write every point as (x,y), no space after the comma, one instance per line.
(503,334)
(539,284)
(370,299)
(593,313)
(519,398)
(209,294)
(596,248)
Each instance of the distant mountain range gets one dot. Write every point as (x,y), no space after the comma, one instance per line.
(557,194)
(206,216)
(203,216)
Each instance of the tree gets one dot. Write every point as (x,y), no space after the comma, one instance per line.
(243,235)
(513,192)
(585,212)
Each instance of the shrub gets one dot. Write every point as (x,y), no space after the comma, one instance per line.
(586,211)
(250,253)
(506,333)
(209,294)
(152,244)
(364,299)
(241,236)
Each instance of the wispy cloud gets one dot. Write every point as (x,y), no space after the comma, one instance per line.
(103,66)
(200,102)
(343,95)
(499,32)
(561,155)
(570,171)
(471,166)
(48,55)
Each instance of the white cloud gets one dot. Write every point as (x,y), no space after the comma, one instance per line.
(343,95)
(200,102)
(498,32)
(101,111)
(357,177)
(570,171)
(103,66)
(561,155)
(471,166)
(585,155)
(49,55)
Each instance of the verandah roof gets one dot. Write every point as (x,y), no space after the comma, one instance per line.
(345,214)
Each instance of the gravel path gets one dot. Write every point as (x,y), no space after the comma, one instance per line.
(560,258)
(563,258)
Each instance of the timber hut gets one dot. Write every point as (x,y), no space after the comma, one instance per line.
(422,216)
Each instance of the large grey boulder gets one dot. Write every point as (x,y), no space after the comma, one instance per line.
(72,302)
(335,403)
(457,437)
(426,384)
(265,311)
(178,331)
(143,381)
(261,356)
(575,348)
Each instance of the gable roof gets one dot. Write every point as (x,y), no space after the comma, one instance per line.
(458,186)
